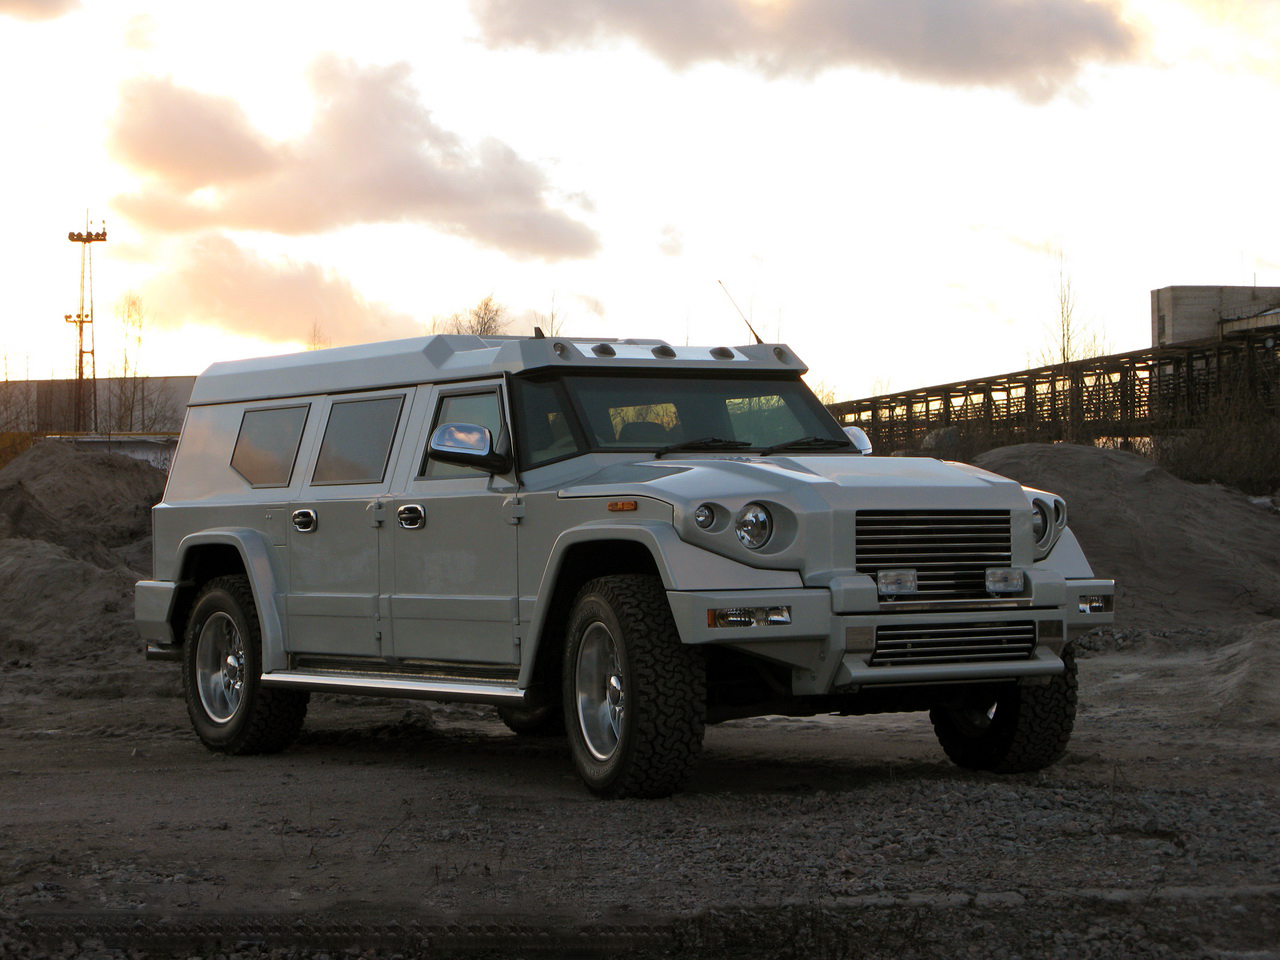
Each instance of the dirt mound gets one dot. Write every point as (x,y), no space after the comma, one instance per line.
(74,533)
(1183,554)
(104,494)
(1245,684)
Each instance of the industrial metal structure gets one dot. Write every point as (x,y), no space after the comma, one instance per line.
(86,408)
(1117,399)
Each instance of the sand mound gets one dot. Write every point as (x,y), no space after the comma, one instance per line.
(1183,554)
(74,537)
(106,495)
(1245,678)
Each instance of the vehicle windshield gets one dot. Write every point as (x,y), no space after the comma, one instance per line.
(567,415)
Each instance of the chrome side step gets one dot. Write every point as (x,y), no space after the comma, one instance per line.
(420,688)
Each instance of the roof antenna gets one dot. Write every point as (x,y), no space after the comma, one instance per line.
(740,313)
(538,334)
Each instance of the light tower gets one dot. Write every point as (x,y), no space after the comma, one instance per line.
(85,418)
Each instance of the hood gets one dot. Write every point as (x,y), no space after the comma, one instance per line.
(839,482)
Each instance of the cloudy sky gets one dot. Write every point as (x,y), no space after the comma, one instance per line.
(893,187)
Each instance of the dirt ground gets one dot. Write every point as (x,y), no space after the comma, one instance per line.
(414,829)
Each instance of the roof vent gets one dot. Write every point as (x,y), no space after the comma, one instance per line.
(604,350)
(561,350)
(722,353)
(664,352)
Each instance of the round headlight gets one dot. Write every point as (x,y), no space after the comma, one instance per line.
(704,516)
(753,526)
(1039,521)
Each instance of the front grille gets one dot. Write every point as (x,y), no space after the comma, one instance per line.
(950,550)
(953,643)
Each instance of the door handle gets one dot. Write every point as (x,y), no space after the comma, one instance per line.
(305,521)
(412,516)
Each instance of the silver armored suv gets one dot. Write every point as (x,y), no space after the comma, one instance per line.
(618,541)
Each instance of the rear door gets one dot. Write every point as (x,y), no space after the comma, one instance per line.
(335,527)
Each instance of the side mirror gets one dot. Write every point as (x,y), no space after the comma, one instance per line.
(860,439)
(470,445)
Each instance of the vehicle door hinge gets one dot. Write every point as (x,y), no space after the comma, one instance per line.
(512,510)
(377,513)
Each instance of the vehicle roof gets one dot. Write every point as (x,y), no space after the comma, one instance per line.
(449,357)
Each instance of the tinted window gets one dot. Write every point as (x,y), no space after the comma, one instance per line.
(357,441)
(649,412)
(546,425)
(268,445)
(478,408)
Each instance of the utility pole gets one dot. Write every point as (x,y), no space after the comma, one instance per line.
(85,419)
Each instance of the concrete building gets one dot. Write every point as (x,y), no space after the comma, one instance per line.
(1182,314)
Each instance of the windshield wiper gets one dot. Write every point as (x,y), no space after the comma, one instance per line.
(808,443)
(703,443)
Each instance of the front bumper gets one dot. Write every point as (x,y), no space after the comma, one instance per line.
(840,652)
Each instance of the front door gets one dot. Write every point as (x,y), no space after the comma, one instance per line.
(453,529)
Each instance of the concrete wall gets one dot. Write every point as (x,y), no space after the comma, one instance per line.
(109,405)
(1179,314)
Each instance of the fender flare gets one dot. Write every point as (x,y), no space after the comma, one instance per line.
(681,565)
(256,554)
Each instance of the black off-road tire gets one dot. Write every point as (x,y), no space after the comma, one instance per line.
(622,640)
(1010,729)
(231,710)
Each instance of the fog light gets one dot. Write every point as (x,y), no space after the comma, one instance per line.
(749,617)
(893,582)
(1096,604)
(1004,580)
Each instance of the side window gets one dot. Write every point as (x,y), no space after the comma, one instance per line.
(267,445)
(478,408)
(357,441)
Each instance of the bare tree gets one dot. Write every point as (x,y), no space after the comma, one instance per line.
(126,395)
(551,324)
(317,340)
(825,393)
(131,402)
(488,318)
(1068,338)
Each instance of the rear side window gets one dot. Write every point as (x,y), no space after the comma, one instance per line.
(268,445)
(357,441)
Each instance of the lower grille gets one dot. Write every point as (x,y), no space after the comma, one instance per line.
(953,643)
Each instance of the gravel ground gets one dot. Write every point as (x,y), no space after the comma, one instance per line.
(405,829)
(397,829)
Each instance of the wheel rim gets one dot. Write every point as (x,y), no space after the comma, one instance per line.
(600,691)
(220,667)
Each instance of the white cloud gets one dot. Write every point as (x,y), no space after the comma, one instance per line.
(1035,48)
(215,281)
(372,155)
(37,9)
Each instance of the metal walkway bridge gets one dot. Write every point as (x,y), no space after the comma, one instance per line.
(1116,399)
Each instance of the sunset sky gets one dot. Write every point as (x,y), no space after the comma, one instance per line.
(889,186)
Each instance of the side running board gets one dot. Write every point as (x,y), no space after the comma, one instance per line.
(422,688)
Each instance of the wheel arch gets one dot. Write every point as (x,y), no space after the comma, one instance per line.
(233,551)
(580,556)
